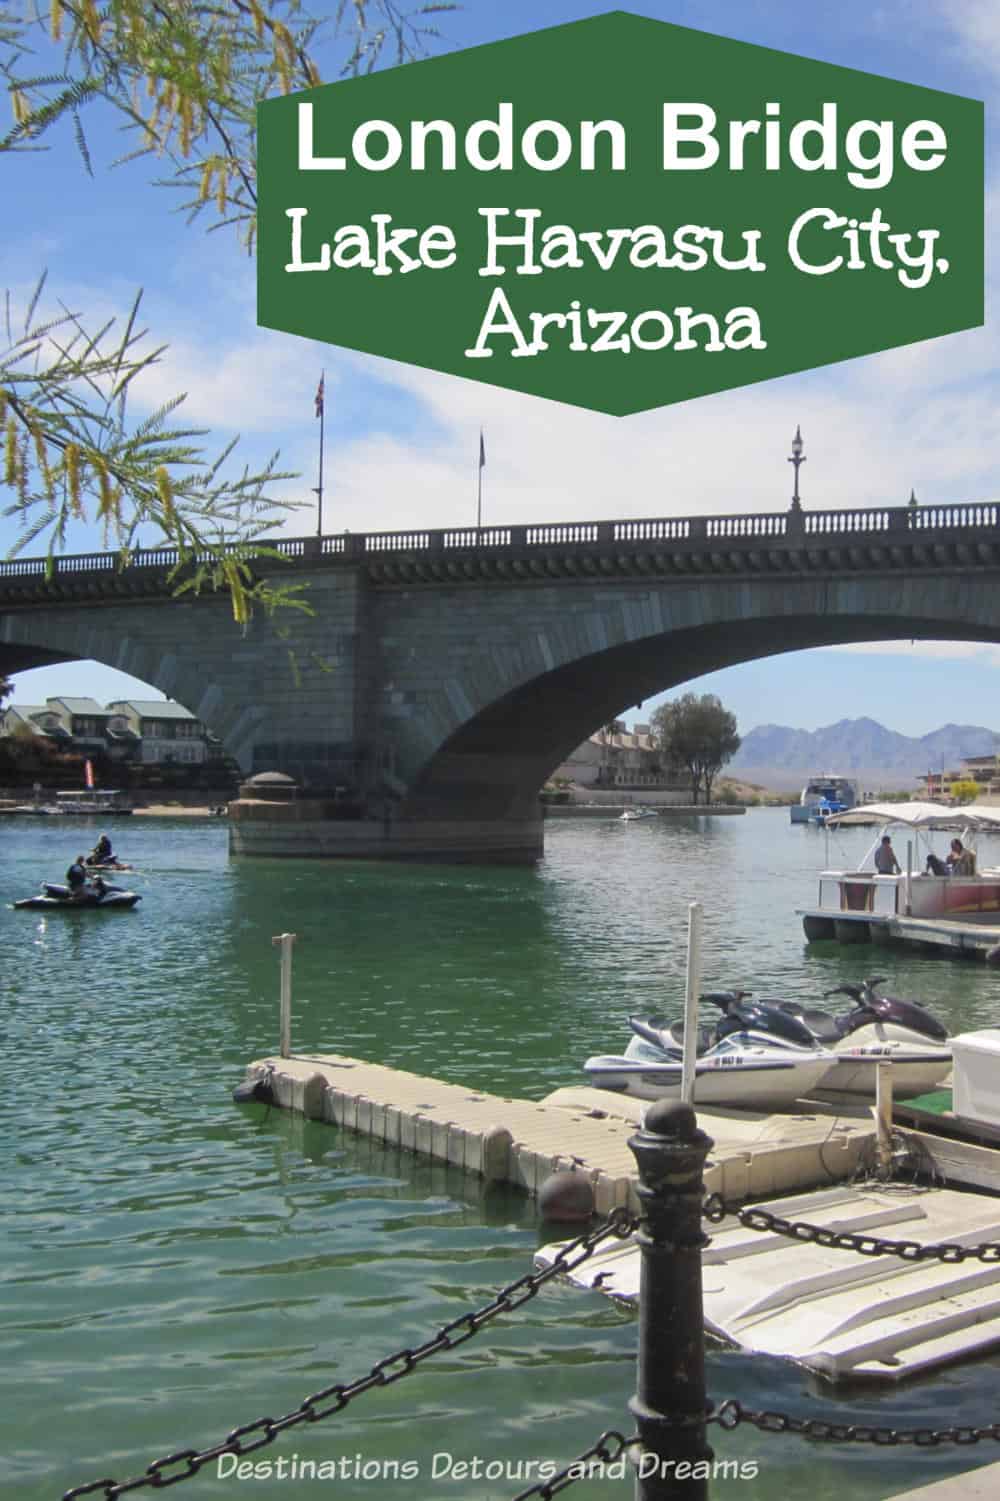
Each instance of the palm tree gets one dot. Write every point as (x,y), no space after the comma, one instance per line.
(608,732)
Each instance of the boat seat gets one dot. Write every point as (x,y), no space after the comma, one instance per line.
(821,1024)
(706,1037)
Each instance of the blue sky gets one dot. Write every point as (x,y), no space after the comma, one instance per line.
(402,443)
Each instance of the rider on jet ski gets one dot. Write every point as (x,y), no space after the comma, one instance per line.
(102,853)
(76,877)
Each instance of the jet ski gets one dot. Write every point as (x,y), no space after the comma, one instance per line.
(877,1029)
(113,863)
(54,896)
(752,1059)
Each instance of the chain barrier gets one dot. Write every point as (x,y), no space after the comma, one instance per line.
(950,1253)
(608,1448)
(184,1463)
(731,1413)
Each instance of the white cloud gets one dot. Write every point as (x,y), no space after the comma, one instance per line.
(975,26)
(720,454)
(982,653)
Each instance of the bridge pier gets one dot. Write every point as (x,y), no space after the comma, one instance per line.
(315,828)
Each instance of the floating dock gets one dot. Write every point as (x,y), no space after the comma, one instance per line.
(975,939)
(971,938)
(982,1484)
(845,1316)
(522,1142)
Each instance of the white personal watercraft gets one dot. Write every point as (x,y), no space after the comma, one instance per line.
(752,1059)
(877,1029)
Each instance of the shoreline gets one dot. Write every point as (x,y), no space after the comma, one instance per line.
(663,810)
(178,810)
(153,810)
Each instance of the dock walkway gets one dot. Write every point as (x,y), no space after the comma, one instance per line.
(967,937)
(522,1142)
(978,939)
(982,1484)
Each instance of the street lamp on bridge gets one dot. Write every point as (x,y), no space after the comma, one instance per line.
(797,459)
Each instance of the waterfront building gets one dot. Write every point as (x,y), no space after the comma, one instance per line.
(128,733)
(622,758)
(165,733)
(984,770)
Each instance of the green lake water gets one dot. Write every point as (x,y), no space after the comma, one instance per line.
(173,1265)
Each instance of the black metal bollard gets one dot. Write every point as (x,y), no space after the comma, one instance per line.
(669,1405)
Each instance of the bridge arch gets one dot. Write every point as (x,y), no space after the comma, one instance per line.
(504,721)
(32,640)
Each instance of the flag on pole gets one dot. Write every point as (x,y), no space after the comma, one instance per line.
(319,395)
(482,450)
(88,774)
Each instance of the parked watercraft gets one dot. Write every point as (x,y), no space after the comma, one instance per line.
(54,897)
(632,815)
(823,788)
(877,1029)
(825,809)
(740,1062)
(92,801)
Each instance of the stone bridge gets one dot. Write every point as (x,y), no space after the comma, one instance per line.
(444,674)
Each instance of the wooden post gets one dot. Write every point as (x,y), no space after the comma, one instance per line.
(285,940)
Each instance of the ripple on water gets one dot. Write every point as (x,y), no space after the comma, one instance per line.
(174,1265)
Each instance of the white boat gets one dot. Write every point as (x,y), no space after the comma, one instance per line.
(736,1065)
(852,903)
(749,1078)
(632,815)
(837,793)
(955,1134)
(90,803)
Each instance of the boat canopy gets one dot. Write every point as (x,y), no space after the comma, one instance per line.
(919,816)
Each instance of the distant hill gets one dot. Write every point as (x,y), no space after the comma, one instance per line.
(778,756)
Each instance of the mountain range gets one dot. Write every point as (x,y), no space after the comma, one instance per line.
(779,757)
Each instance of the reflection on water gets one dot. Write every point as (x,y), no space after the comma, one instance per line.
(175,1265)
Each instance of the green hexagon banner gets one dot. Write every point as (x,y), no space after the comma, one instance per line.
(620,213)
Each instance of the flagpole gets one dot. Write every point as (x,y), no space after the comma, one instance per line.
(479,493)
(321,403)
